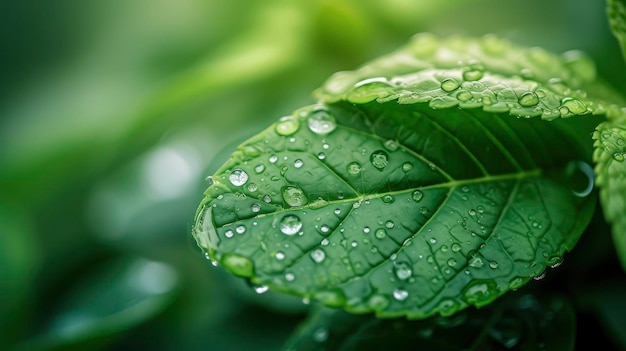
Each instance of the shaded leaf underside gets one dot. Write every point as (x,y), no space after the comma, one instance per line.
(401,194)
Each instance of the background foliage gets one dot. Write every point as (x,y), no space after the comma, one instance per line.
(112,113)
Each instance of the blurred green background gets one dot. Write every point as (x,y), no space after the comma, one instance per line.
(112,113)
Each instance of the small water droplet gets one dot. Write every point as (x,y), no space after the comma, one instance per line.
(353,168)
(261,289)
(238,265)
(238,177)
(280,255)
(472,74)
(379,159)
(320,335)
(298,163)
(294,196)
(417,195)
(456,247)
(210,180)
(324,228)
(432,240)
(240,229)
(472,212)
(229,234)
(259,168)
(321,156)
(366,229)
(380,233)
(290,277)
(389,224)
(479,292)
(337,211)
(388,199)
(287,125)
(403,270)
(252,187)
(406,167)
(391,145)
(452,262)
(255,208)
(318,255)
(290,224)
(528,99)
(400,294)
(493,264)
(267,198)
(449,84)
(618,156)
(321,122)
(273,159)
(325,242)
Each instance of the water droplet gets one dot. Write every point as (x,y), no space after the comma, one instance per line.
(229,234)
(261,289)
(580,176)
(366,229)
(574,105)
(287,125)
(479,292)
(321,122)
(448,307)
(452,262)
(380,233)
(528,99)
(325,242)
(354,244)
(417,195)
(464,95)
(238,265)
(516,283)
(267,199)
(475,260)
(259,168)
(379,159)
(389,224)
(432,240)
(403,270)
(353,168)
(280,255)
(449,84)
(493,264)
(391,145)
(321,156)
(456,247)
(472,74)
(255,208)
(377,302)
(298,163)
(318,255)
(238,177)
(388,199)
(400,294)
(618,156)
(294,196)
(240,229)
(290,225)
(407,166)
(210,180)
(320,335)
(324,228)
(290,277)
(252,187)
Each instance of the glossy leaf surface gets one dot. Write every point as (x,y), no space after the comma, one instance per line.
(394,196)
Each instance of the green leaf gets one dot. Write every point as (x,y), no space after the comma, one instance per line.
(610,151)
(617,18)
(405,193)
(521,322)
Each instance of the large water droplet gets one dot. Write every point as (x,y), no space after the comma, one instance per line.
(321,122)
(417,195)
(294,196)
(449,84)
(290,224)
(528,99)
(353,168)
(400,294)
(238,177)
(580,176)
(238,265)
(379,159)
(479,292)
(318,255)
(573,105)
(287,125)
(403,270)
